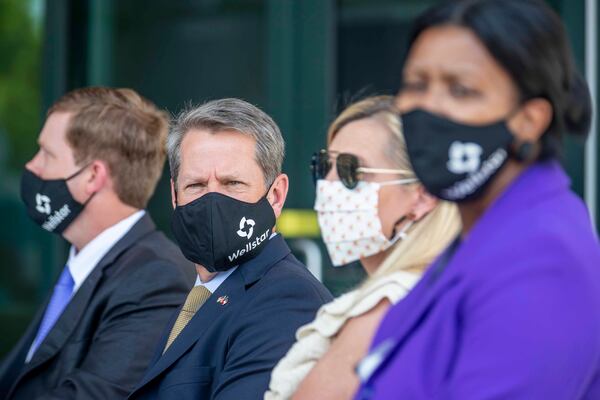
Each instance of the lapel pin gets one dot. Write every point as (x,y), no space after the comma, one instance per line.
(223,300)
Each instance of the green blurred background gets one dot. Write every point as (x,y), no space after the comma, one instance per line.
(300,60)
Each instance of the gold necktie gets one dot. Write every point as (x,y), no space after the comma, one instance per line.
(193,302)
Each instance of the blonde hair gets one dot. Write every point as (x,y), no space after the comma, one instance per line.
(123,129)
(429,236)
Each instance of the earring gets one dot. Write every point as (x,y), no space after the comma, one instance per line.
(526,151)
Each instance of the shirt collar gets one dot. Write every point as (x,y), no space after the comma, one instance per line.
(215,282)
(83,262)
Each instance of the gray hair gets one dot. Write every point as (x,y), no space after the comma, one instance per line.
(230,114)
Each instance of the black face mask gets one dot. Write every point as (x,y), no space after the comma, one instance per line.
(219,232)
(455,162)
(49,202)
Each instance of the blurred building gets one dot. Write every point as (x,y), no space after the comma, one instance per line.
(300,60)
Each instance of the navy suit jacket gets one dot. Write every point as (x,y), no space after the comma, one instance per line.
(103,341)
(228,349)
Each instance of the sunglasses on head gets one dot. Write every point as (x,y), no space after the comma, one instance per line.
(348,168)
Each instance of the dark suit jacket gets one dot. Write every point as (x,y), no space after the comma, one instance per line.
(228,349)
(104,340)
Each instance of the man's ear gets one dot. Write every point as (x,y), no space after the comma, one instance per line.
(423,204)
(278,193)
(173,195)
(534,118)
(97,178)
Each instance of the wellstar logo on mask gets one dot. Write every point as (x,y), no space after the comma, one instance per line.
(474,181)
(55,219)
(250,246)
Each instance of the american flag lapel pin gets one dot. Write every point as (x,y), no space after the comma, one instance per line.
(223,300)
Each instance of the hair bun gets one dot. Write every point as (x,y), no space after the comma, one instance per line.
(577,115)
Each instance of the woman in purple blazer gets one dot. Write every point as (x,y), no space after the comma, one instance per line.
(511,310)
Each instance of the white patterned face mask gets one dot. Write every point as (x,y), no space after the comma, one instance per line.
(349,219)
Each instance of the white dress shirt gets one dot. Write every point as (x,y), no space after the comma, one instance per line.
(82,263)
(215,282)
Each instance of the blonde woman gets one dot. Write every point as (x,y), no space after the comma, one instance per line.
(370,208)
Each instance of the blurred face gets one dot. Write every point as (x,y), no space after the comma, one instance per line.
(222,162)
(367,139)
(450,73)
(55,159)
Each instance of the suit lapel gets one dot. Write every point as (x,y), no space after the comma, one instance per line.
(66,323)
(164,337)
(274,252)
(209,314)
(234,289)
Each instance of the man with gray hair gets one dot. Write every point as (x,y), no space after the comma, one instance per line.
(251,294)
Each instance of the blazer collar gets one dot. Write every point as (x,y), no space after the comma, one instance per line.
(275,250)
(222,301)
(68,320)
(141,228)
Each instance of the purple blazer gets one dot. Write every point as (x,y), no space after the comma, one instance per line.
(513,313)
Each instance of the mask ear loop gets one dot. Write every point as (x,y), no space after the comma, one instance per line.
(403,232)
(85,203)
(77,173)
(89,198)
(266,196)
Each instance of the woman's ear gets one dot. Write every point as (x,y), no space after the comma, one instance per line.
(424,203)
(278,193)
(534,118)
